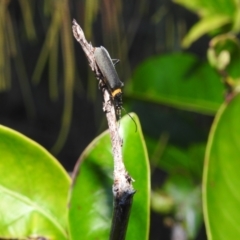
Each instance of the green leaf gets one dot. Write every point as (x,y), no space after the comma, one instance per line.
(91,199)
(210,7)
(33,189)
(214,14)
(205,25)
(178,80)
(187,162)
(236,25)
(221,196)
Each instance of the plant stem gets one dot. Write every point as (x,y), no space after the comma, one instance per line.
(122,187)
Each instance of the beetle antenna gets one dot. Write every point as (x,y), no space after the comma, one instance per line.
(131,118)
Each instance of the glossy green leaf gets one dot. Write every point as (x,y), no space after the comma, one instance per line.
(214,15)
(178,80)
(91,199)
(221,181)
(33,189)
(209,7)
(204,26)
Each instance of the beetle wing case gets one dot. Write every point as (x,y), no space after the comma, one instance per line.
(107,68)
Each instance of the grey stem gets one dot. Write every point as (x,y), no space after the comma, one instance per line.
(123,191)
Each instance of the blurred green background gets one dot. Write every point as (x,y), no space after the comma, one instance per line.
(48,92)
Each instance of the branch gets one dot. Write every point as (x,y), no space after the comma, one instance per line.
(122,187)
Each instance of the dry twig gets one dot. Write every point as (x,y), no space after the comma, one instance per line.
(122,187)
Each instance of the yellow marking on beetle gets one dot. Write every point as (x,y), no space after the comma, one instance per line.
(115,92)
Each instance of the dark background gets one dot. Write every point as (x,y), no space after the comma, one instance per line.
(132,31)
